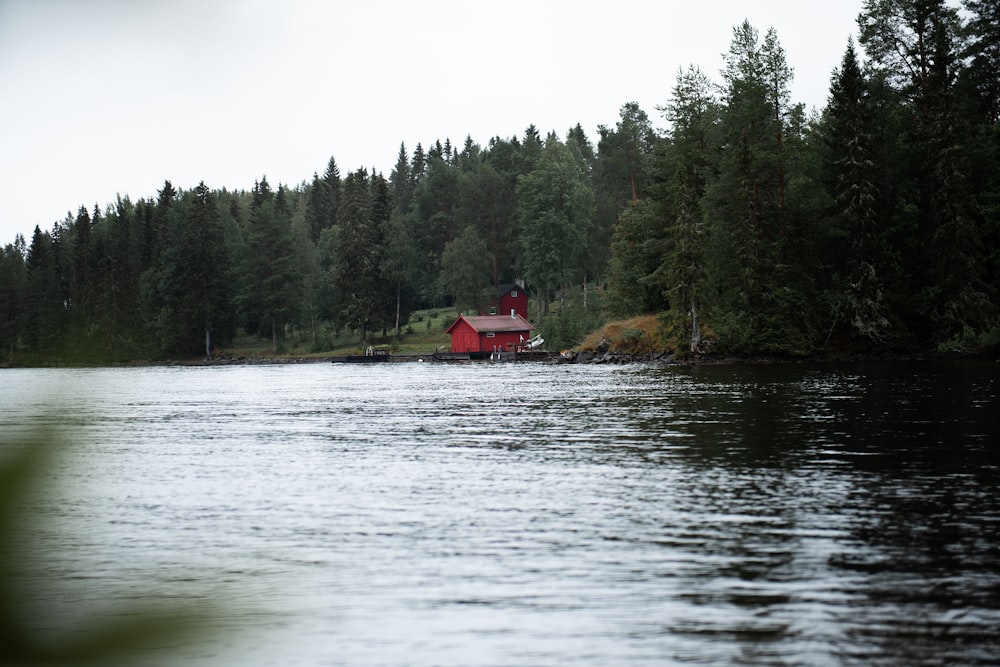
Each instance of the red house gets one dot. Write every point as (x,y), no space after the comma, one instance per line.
(489,333)
(505,299)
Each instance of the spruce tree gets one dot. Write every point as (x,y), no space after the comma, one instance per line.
(682,172)
(915,44)
(851,176)
(197,277)
(12,292)
(43,296)
(356,270)
(270,268)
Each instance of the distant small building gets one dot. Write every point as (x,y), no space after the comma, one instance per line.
(488,333)
(505,299)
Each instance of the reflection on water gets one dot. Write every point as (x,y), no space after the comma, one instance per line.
(480,514)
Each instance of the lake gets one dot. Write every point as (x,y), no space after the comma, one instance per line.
(484,514)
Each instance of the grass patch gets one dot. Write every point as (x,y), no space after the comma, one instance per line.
(423,334)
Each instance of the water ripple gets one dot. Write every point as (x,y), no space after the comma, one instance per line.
(484,514)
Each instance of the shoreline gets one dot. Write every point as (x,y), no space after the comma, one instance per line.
(662,359)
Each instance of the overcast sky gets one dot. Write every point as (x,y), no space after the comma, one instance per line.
(102,97)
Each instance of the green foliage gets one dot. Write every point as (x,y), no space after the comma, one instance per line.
(621,176)
(850,135)
(465,268)
(970,340)
(875,221)
(197,287)
(356,268)
(271,266)
(636,256)
(574,320)
(555,210)
(12,286)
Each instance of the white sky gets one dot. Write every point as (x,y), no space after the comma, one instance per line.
(101,97)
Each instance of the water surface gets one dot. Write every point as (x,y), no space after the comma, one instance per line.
(527,514)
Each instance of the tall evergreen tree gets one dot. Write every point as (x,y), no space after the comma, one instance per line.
(983,78)
(634,259)
(758,300)
(401,181)
(333,187)
(555,208)
(485,201)
(274,279)
(916,45)
(82,279)
(399,263)
(356,271)
(435,201)
(621,175)
(319,214)
(382,314)
(43,298)
(465,268)
(12,288)
(197,275)
(851,176)
(419,163)
(683,170)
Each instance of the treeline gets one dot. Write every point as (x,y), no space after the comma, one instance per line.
(750,225)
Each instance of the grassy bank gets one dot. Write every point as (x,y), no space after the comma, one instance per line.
(638,335)
(423,334)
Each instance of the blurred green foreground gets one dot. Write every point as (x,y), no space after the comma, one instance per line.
(133,635)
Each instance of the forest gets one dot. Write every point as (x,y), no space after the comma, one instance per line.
(749,225)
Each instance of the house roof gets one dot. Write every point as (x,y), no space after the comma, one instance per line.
(502,289)
(494,323)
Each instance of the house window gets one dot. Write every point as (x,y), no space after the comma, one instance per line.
(513,293)
(491,334)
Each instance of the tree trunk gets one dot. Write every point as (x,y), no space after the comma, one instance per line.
(312,321)
(274,334)
(208,342)
(695,328)
(398,290)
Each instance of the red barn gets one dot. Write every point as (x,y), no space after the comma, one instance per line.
(505,299)
(488,333)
